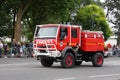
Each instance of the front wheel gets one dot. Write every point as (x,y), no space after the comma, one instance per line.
(97,60)
(47,62)
(68,60)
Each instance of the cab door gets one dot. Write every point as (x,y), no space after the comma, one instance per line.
(63,38)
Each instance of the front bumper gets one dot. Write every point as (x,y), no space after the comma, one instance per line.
(47,54)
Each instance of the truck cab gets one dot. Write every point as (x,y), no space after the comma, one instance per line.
(53,37)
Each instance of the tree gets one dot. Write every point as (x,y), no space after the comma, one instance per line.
(15,10)
(92,17)
(1,1)
(39,12)
(22,6)
(36,12)
(113,8)
(5,20)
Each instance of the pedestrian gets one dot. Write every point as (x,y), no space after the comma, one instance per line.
(18,48)
(6,49)
(113,49)
(119,50)
(29,47)
(24,49)
(13,47)
(1,47)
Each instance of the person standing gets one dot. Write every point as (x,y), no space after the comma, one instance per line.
(13,47)
(6,49)
(29,47)
(1,47)
(18,49)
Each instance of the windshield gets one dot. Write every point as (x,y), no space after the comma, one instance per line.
(46,32)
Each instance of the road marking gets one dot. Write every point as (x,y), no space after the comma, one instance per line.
(108,75)
(66,78)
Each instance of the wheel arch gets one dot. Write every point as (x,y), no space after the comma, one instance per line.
(67,49)
(100,52)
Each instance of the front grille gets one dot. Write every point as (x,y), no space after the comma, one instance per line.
(43,46)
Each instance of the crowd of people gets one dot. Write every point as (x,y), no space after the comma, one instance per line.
(116,50)
(113,50)
(16,49)
(25,49)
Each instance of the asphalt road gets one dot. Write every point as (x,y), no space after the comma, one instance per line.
(31,69)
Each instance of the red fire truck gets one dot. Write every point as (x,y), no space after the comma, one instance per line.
(68,44)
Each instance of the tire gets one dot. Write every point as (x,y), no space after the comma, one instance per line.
(78,63)
(68,60)
(47,62)
(97,60)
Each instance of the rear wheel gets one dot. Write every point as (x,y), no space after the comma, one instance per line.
(97,60)
(47,62)
(68,60)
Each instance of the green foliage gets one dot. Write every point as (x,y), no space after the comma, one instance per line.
(5,20)
(92,17)
(36,12)
(27,33)
(50,11)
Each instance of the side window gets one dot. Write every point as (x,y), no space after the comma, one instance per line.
(74,33)
(63,33)
(64,30)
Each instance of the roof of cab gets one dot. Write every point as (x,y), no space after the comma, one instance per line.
(66,25)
